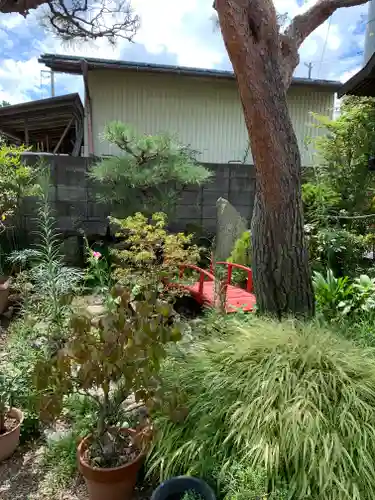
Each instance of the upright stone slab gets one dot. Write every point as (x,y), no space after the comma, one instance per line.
(229,227)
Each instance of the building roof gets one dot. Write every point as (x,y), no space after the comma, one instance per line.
(73,64)
(362,83)
(32,122)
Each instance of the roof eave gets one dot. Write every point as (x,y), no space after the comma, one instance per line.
(73,65)
(358,81)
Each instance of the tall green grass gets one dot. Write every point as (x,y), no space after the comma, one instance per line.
(297,401)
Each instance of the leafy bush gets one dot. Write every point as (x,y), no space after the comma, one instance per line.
(149,175)
(241,254)
(337,298)
(108,359)
(338,249)
(332,294)
(294,400)
(343,153)
(240,482)
(19,362)
(150,256)
(52,282)
(319,200)
(17,180)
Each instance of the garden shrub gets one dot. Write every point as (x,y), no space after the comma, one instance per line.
(51,283)
(241,254)
(294,400)
(148,175)
(19,363)
(150,255)
(338,249)
(241,482)
(332,295)
(343,153)
(341,299)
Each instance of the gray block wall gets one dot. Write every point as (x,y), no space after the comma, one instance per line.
(74,201)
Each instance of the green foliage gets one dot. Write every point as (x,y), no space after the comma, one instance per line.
(22,354)
(60,454)
(52,282)
(98,272)
(241,254)
(150,256)
(331,294)
(344,152)
(105,359)
(150,173)
(60,462)
(17,180)
(191,495)
(319,201)
(338,249)
(295,401)
(240,482)
(339,299)
(6,398)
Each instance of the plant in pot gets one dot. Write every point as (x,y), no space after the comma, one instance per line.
(10,418)
(111,358)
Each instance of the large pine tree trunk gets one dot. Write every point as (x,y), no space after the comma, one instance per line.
(280,260)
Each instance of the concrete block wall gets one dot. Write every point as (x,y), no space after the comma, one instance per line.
(74,201)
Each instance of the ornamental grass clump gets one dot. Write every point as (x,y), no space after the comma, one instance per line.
(294,400)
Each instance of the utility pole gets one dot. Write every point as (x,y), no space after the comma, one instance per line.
(51,76)
(310,67)
(52,84)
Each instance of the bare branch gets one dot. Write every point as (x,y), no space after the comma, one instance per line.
(81,19)
(85,20)
(303,25)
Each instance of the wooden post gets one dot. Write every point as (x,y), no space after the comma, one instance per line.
(26,132)
(63,135)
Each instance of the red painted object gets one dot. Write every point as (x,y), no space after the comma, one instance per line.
(203,291)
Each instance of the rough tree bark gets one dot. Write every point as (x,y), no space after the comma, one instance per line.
(264,61)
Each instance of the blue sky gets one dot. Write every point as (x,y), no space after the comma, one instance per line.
(172,32)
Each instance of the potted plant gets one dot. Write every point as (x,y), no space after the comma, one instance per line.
(183,488)
(10,419)
(110,358)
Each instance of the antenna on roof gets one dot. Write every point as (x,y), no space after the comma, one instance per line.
(310,67)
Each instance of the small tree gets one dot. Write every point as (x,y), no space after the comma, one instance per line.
(150,256)
(149,175)
(17,180)
(343,155)
(108,359)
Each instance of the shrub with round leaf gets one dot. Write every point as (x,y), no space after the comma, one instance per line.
(108,358)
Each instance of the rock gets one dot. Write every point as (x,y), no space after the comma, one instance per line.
(96,310)
(229,227)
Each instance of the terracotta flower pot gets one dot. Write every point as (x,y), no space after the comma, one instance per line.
(4,293)
(116,483)
(10,440)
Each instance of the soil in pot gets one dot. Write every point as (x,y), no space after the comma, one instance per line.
(111,478)
(10,439)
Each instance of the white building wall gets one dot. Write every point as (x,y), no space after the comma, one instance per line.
(205,113)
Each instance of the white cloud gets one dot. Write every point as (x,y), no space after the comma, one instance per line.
(169,24)
(348,74)
(182,30)
(17,78)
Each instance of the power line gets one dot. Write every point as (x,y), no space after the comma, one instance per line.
(325,44)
